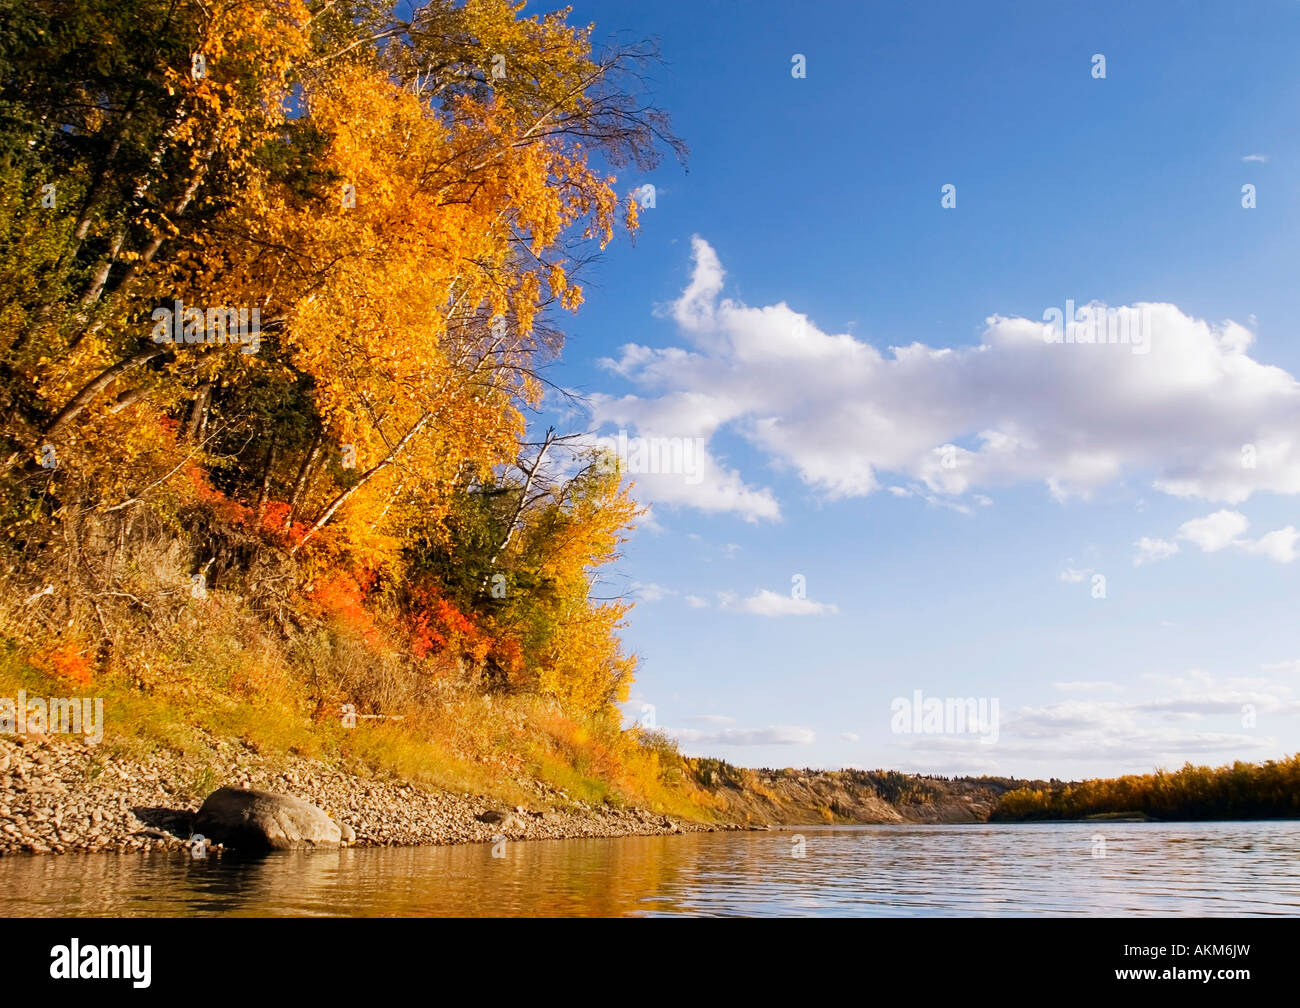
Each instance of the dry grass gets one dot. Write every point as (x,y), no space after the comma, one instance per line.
(177,672)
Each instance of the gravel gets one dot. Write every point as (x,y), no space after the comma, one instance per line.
(60,795)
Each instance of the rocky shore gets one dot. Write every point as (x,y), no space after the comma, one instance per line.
(60,796)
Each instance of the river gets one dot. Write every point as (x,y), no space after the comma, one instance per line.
(1056,869)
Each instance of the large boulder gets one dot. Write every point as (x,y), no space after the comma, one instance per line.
(504,821)
(262,820)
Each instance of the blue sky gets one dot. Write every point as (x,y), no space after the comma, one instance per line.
(763,298)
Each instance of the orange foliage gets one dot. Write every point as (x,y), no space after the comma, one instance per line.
(406,235)
(222,507)
(341,596)
(67,662)
(438,626)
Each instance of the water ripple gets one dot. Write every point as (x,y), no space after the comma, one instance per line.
(1193,869)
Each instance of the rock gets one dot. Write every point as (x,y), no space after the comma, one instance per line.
(501,820)
(348,834)
(262,820)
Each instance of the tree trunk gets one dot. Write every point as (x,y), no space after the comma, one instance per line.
(304,476)
(519,510)
(198,411)
(425,419)
(87,395)
(264,492)
(128,399)
(343,497)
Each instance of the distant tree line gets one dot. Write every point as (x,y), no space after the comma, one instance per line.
(1269,790)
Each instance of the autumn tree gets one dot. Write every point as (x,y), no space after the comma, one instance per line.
(402,209)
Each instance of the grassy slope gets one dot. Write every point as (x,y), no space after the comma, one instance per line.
(215,670)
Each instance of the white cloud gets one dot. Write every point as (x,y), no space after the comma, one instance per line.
(695,602)
(849,736)
(1193,715)
(1277,545)
(695,309)
(650,592)
(769,603)
(839,413)
(1256,157)
(1072,576)
(1153,549)
(1219,530)
(1214,531)
(771,735)
(1288,667)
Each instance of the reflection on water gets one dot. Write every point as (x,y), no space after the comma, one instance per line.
(1202,869)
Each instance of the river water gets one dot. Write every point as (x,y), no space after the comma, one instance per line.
(1194,869)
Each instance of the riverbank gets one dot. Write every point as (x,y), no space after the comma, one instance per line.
(845,797)
(63,796)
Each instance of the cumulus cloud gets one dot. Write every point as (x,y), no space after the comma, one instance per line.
(1072,576)
(769,603)
(1215,531)
(1218,531)
(1278,545)
(839,413)
(1261,158)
